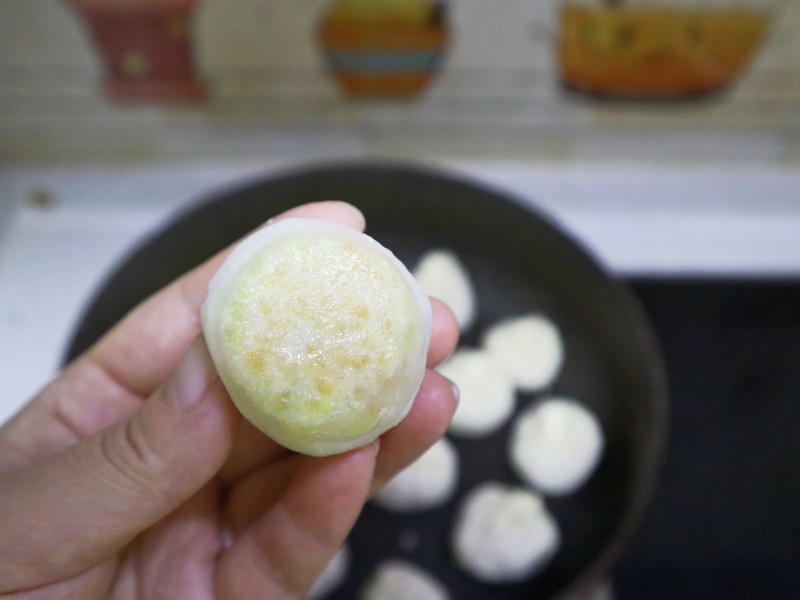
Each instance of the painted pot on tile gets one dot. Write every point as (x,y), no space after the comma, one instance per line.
(146,48)
(667,50)
(383,50)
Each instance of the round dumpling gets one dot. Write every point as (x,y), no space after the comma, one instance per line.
(444,277)
(486,393)
(555,445)
(319,334)
(401,580)
(504,534)
(529,348)
(332,576)
(428,482)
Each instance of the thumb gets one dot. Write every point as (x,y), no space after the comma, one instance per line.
(79,507)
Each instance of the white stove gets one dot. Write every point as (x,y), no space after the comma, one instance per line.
(63,228)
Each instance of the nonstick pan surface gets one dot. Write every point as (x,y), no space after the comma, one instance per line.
(519,262)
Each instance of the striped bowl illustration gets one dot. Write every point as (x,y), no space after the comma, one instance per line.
(383,58)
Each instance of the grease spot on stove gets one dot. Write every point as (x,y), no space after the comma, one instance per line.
(42,198)
(13,318)
(408,540)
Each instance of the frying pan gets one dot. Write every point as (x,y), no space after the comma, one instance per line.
(519,262)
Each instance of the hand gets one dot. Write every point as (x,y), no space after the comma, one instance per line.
(132,475)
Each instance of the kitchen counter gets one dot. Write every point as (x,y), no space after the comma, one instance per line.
(723,521)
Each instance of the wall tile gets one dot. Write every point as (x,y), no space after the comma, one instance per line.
(497,97)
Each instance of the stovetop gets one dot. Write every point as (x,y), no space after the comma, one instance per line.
(724,521)
(714,257)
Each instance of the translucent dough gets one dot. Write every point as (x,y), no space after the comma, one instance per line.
(400,580)
(487,394)
(426,483)
(332,576)
(503,534)
(555,445)
(528,348)
(319,334)
(444,277)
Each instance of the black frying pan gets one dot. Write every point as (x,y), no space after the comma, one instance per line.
(519,262)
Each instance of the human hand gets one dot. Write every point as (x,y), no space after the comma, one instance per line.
(132,475)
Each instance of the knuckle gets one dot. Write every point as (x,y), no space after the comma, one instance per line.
(133,460)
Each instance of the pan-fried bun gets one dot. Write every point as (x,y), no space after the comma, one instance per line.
(555,445)
(401,580)
(443,276)
(529,348)
(319,334)
(426,483)
(504,534)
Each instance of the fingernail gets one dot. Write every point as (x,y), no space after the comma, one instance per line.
(355,213)
(454,387)
(376,447)
(195,372)
(334,211)
(376,486)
